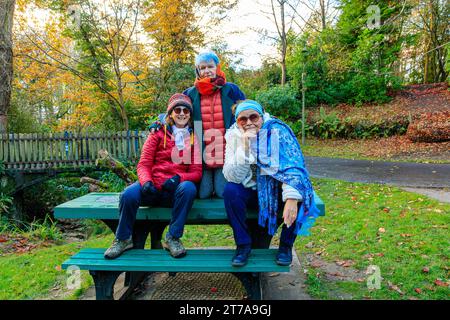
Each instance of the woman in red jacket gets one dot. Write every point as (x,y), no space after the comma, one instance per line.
(169,166)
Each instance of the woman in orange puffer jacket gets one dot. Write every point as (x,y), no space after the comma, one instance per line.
(212,98)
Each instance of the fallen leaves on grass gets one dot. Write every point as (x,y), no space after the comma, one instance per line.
(440,283)
(19,244)
(337,274)
(395,288)
(320,252)
(401,147)
(345,263)
(316,264)
(309,245)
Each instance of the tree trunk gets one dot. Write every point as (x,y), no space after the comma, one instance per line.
(6,59)
(283,44)
(323,13)
(117,167)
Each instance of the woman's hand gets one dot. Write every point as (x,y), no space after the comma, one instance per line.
(155,126)
(290,212)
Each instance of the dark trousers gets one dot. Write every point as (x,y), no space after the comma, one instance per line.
(237,199)
(180,201)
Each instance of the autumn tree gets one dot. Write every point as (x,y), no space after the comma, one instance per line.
(177,30)
(103,36)
(434,28)
(172,28)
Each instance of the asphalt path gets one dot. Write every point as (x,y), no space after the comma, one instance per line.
(403,174)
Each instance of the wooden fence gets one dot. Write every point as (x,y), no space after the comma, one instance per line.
(38,151)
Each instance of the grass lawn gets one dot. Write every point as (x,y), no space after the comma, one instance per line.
(402,233)
(38,274)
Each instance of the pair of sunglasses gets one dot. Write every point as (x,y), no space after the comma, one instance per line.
(253,118)
(178,110)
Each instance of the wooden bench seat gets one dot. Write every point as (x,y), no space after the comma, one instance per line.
(158,260)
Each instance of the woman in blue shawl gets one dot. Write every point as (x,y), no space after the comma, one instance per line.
(264,165)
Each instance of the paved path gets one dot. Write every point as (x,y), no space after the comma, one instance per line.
(404,174)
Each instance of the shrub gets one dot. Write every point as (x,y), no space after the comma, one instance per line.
(5,203)
(280,101)
(328,125)
(296,127)
(331,125)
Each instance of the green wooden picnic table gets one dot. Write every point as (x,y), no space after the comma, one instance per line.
(138,263)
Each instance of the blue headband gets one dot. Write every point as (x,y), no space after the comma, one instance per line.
(248,105)
(206,57)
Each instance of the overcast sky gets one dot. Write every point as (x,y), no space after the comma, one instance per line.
(239,33)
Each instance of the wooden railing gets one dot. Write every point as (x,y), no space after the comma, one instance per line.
(38,151)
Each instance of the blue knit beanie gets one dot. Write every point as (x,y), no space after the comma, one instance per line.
(206,57)
(248,105)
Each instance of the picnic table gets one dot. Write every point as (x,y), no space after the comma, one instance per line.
(138,263)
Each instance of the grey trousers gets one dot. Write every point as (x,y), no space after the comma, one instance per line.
(212,183)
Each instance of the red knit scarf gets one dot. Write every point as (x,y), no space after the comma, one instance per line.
(207,86)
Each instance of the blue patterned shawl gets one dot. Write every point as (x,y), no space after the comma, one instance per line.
(289,169)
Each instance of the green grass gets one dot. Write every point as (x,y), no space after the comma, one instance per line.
(38,230)
(416,236)
(33,275)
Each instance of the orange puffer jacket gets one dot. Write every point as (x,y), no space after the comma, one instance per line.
(212,118)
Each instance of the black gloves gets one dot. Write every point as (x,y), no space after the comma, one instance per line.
(151,194)
(149,191)
(171,184)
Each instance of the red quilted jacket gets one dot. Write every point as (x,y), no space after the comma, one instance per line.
(212,118)
(161,160)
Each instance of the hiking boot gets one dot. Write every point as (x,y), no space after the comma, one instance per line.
(284,255)
(174,246)
(118,247)
(240,259)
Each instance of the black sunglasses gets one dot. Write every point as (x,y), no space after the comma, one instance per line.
(178,110)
